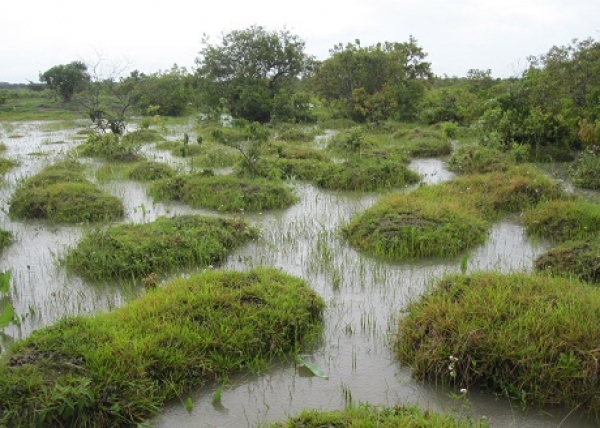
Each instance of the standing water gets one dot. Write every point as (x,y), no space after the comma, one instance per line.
(364,296)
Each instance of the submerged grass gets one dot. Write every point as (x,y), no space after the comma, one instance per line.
(118,369)
(224,193)
(527,337)
(135,251)
(369,416)
(62,194)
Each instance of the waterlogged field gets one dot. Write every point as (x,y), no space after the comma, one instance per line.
(354,359)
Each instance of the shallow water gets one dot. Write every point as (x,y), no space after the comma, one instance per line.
(363,295)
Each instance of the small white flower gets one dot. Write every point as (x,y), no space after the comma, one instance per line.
(463,390)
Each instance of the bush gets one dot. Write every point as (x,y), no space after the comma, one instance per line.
(110,147)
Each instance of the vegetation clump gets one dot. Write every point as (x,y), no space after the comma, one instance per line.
(62,194)
(479,158)
(564,220)
(134,251)
(141,136)
(150,171)
(368,416)
(365,175)
(574,258)
(224,193)
(408,227)
(117,369)
(7,164)
(585,171)
(527,337)
(110,147)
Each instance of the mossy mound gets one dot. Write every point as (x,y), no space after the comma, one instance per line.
(224,193)
(7,164)
(574,258)
(564,220)
(63,195)
(527,337)
(408,227)
(134,251)
(365,175)
(117,369)
(150,170)
(368,416)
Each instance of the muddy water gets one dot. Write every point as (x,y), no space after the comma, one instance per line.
(363,295)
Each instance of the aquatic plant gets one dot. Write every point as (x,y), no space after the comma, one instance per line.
(117,369)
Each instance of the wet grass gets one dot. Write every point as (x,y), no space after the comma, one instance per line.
(142,136)
(526,337)
(580,259)
(6,239)
(62,194)
(369,416)
(564,220)
(7,164)
(110,147)
(585,171)
(410,227)
(150,171)
(118,369)
(224,193)
(135,251)
(477,158)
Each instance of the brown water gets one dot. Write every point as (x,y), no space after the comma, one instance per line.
(364,296)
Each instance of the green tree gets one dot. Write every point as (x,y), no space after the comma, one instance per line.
(375,82)
(166,93)
(66,79)
(246,71)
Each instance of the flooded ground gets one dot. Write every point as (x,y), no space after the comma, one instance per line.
(363,295)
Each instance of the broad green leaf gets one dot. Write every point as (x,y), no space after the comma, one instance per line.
(4,281)
(313,368)
(7,316)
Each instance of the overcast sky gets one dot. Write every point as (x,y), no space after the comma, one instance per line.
(458,35)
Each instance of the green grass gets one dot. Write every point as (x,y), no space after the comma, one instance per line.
(564,220)
(224,193)
(7,164)
(62,194)
(142,136)
(574,258)
(531,338)
(150,171)
(409,227)
(37,106)
(6,238)
(585,171)
(110,147)
(477,158)
(135,251)
(117,369)
(369,416)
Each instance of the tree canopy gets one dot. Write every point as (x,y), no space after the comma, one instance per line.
(66,79)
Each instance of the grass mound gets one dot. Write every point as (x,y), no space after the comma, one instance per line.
(62,194)
(365,175)
(477,158)
(564,220)
(141,136)
(134,251)
(368,416)
(408,227)
(527,337)
(150,171)
(585,171)
(224,193)
(110,147)
(574,258)
(117,369)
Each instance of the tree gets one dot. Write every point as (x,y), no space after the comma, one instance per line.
(165,93)
(375,82)
(247,70)
(66,79)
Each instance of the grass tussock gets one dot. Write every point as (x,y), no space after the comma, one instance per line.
(574,258)
(142,136)
(585,171)
(478,158)
(563,220)
(408,227)
(5,239)
(135,251)
(368,416)
(365,175)
(150,171)
(526,337)
(224,193)
(117,369)
(62,194)
(110,147)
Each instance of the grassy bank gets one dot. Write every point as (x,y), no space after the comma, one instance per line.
(117,369)
(134,251)
(527,337)
(367,416)
(564,220)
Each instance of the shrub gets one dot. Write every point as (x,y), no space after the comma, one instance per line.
(527,337)
(585,171)
(117,369)
(110,147)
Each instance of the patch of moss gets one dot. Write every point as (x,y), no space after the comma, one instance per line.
(134,251)
(117,369)
(224,193)
(527,337)
(368,416)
